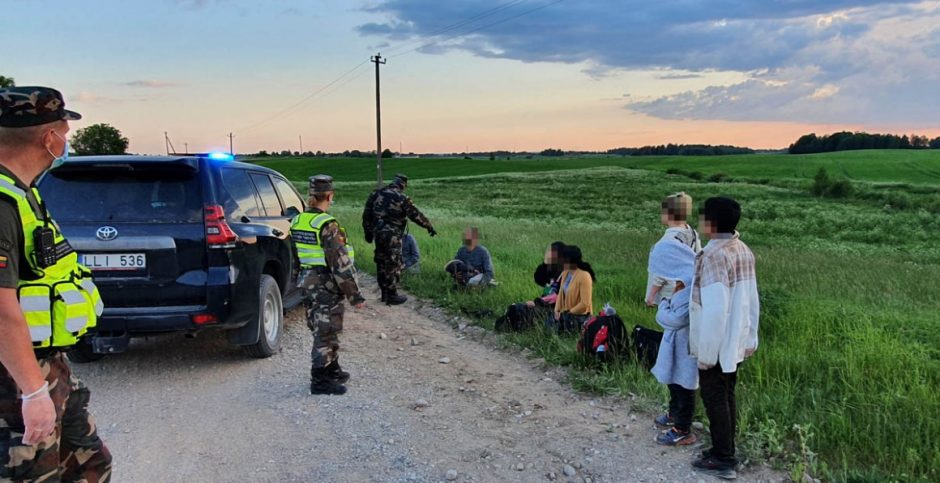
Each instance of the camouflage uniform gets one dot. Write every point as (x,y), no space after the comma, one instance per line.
(328,274)
(384,219)
(324,290)
(74,452)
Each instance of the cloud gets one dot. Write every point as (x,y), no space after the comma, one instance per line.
(825,91)
(91,97)
(797,54)
(679,76)
(292,12)
(152,84)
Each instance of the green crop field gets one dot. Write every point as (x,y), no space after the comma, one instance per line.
(846,379)
(908,166)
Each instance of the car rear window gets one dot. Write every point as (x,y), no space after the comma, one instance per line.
(121,195)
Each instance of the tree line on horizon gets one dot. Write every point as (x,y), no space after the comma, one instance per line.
(849,141)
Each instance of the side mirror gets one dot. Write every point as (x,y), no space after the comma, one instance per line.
(291,211)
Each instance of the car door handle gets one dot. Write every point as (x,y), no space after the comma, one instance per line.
(277,232)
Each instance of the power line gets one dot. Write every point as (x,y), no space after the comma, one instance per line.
(448,28)
(336,84)
(477,29)
(302,101)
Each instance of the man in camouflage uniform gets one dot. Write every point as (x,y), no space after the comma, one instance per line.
(46,432)
(327,275)
(384,220)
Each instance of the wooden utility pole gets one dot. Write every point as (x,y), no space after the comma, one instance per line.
(166,141)
(377,60)
(301,144)
(231,144)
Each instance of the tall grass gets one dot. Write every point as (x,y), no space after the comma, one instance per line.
(849,363)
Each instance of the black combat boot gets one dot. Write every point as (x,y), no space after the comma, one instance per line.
(322,383)
(384,295)
(336,373)
(392,297)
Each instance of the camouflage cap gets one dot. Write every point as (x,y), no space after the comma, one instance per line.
(33,106)
(400,179)
(321,183)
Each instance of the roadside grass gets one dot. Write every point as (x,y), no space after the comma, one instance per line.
(849,363)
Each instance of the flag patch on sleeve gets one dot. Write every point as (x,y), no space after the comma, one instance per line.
(3,262)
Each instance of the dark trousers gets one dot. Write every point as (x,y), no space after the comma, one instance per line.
(717,389)
(681,406)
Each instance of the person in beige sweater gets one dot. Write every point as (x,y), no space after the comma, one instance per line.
(575,295)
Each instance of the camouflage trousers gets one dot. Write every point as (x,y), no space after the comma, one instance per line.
(388,259)
(74,452)
(325,318)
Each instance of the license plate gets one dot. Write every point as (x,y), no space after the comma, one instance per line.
(115,261)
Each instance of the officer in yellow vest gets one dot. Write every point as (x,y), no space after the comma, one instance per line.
(47,302)
(327,275)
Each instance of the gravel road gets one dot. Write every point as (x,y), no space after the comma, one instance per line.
(427,402)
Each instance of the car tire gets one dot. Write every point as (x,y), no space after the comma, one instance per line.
(82,352)
(270,319)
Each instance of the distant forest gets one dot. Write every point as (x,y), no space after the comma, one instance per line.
(847,141)
(680,150)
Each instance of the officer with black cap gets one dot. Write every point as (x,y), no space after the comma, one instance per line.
(47,302)
(384,220)
(328,273)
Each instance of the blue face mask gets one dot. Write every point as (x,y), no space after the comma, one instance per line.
(59,160)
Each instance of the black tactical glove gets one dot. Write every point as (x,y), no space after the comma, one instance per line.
(368,238)
(432,232)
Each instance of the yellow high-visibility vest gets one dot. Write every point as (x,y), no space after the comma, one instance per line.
(305,230)
(61,303)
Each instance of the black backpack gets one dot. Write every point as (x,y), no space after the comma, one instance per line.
(604,338)
(519,317)
(646,345)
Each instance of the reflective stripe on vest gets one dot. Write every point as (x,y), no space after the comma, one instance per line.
(305,231)
(62,303)
(92,290)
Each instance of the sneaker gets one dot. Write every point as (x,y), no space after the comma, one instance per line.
(675,437)
(665,420)
(715,467)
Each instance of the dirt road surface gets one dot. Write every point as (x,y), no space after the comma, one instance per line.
(174,409)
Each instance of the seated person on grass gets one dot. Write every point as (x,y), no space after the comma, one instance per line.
(410,254)
(574,304)
(548,276)
(472,266)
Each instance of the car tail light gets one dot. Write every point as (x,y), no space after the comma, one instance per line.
(218,233)
(203,319)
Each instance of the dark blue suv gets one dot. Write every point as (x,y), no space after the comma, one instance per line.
(180,244)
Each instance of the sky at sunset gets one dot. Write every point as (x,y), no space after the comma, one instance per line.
(481,75)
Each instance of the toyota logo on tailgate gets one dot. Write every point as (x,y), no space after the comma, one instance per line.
(107,233)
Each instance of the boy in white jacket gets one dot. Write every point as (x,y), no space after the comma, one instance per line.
(723,322)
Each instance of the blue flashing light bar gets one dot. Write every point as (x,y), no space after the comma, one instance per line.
(221,156)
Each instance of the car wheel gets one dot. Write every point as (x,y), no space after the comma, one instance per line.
(270,319)
(82,352)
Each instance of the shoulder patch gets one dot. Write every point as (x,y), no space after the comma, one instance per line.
(6,245)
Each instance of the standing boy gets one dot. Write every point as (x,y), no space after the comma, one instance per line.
(723,317)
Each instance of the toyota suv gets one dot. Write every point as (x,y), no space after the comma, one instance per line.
(180,244)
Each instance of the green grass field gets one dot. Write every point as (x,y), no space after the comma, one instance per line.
(910,166)
(846,379)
